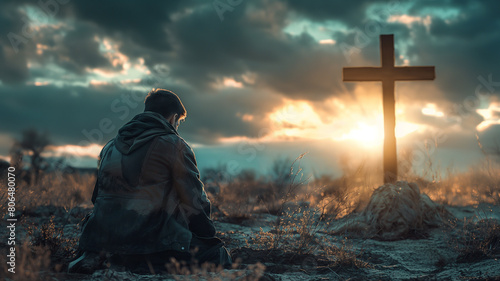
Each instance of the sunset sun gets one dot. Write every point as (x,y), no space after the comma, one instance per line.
(299,119)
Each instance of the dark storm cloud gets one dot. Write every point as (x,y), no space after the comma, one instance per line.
(350,12)
(70,47)
(210,118)
(462,49)
(66,112)
(144,22)
(294,66)
(77,50)
(200,49)
(249,40)
(459,64)
(62,111)
(209,48)
(73,46)
(360,45)
(475,19)
(13,65)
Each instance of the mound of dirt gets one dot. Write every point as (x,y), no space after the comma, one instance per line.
(396,211)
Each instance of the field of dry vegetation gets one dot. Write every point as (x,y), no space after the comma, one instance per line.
(281,226)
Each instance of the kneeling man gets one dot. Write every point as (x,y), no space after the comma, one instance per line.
(149,202)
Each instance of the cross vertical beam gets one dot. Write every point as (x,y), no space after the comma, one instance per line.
(390,147)
(388,74)
(389,108)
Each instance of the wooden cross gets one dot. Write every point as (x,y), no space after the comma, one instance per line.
(387,74)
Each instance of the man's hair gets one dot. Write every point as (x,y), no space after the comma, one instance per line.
(164,102)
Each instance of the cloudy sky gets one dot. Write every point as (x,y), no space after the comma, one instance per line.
(260,79)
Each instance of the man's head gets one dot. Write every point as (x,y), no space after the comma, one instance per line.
(166,103)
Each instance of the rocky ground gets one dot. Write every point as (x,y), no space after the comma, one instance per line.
(443,253)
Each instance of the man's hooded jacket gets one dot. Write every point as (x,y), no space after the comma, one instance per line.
(148,195)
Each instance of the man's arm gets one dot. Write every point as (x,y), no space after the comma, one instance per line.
(194,204)
(99,159)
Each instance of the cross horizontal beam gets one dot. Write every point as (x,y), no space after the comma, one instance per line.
(399,73)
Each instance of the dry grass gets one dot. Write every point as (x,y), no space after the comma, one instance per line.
(234,197)
(51,237)
(477,238)
(46,248)
(480,184)
(295,232)
(346,256)
(54,189)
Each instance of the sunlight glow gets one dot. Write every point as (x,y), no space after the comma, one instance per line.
(92,150)
(41,83)
(131,81)
(372,135)
(431,110)
(491,116)
(298,119)
(298,114)
(409,20)
(230,82)
(368,136)
(102,73)
(227,82)
(327,42)
(98,83)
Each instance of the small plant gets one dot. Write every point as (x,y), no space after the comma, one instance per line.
(296,233)
(478,240)
(345,256)
(294,228)
(52,238)
(284,216)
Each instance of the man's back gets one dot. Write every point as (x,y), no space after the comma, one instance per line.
(149,202)
(148,195)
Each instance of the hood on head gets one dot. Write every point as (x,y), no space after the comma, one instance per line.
(142,129)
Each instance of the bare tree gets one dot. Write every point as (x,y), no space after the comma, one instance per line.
(32,143)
